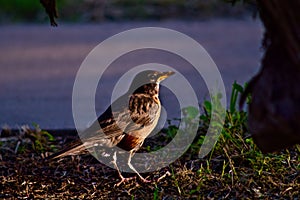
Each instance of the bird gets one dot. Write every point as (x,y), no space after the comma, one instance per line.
(126,123)
(50,7)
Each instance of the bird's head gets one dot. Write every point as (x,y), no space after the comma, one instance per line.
(149,78)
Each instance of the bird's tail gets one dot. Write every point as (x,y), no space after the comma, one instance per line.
(75,148)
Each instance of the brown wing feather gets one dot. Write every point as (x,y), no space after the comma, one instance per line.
(111,133)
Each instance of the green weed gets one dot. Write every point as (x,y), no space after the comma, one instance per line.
(28,139)
(41,140)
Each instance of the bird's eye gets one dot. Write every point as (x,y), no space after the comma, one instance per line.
(152,76)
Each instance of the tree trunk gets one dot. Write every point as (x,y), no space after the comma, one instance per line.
(274,111)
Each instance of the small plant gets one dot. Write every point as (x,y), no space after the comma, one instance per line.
(40,139)
(235,125)
(26,140)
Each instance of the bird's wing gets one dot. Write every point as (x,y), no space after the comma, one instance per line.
(122,118)
(118,120)
(112,122)
(109,134)
(127,113)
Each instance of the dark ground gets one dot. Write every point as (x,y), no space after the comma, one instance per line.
(226,173)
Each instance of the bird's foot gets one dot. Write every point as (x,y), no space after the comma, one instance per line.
(145,180)
(123,180)
(164,176)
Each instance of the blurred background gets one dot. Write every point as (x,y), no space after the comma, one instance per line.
(38,63)
(31,11)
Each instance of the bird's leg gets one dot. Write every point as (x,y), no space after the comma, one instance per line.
(131,167)
(119,172)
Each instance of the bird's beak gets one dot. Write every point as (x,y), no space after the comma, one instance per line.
(165,75)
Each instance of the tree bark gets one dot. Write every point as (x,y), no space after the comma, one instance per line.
(274,110)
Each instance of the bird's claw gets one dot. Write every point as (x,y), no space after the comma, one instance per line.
(145,180)
(164,176)
(123,180)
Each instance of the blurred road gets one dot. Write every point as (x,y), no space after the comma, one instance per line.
(38,64)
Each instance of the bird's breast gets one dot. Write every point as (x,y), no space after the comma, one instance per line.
(144,113)
(144,109)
